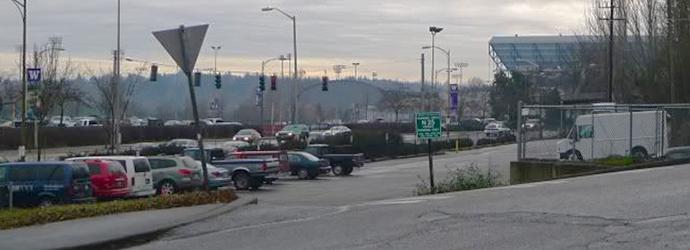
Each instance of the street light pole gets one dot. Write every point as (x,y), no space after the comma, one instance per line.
(293,105)
(22,7)
(355,66)
(215,58)
(434,31)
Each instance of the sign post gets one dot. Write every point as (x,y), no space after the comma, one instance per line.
(428,126)
(184,44)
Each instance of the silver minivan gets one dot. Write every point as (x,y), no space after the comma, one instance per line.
(138,173)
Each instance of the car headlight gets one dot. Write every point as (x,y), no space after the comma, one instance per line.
(290,134)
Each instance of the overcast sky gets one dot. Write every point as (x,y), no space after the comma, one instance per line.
(385,36)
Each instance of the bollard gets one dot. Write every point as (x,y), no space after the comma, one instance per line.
(457,145)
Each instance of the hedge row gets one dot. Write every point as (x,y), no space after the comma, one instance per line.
(14,218)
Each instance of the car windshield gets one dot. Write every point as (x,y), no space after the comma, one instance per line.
(310,156)
(245,132)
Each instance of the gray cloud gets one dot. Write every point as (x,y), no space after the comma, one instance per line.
(385,35)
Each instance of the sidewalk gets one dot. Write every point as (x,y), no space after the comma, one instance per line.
(111,229)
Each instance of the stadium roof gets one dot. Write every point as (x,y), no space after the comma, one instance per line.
(535,53)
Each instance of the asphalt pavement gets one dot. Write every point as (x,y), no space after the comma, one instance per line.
(644,209)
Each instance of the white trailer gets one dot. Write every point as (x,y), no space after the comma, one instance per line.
(596,136)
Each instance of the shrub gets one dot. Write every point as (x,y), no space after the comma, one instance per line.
(14,218)
(469,178)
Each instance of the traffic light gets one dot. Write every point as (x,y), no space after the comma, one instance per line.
(274,83)
(197,79)
(324,83)
(154,73)
(218,81)
(262,83)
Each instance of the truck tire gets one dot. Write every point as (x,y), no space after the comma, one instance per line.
(639,153)
(338,170)
(303,174)
(242,181)
(576,155)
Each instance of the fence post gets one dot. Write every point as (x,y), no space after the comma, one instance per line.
(630,153)
(519,129)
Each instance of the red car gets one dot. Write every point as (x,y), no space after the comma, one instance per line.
(108,179)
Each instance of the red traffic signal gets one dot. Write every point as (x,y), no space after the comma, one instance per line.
(274,83)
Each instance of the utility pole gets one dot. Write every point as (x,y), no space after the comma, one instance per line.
(116,88)
(22,7)
(611,19)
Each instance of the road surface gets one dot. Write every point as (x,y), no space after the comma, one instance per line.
(644,209)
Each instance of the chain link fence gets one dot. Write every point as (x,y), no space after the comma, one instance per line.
(600,131)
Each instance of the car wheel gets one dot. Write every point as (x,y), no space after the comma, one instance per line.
(166,188)
(241,181)
(46,202)
(338,170)
(303,174)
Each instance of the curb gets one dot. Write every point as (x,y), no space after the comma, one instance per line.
(148,235)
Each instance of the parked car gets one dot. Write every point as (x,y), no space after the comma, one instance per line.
(250,173)
(217,177)
(234,145)
(531,124)
(174,174)
(248,135)
(138,172)
(337,131)
(108,179)
(61,121)
(293,132)
(496,129)
(341,164)
(271,143)
(183,143)
(173,123)
(45,183)
(307,166)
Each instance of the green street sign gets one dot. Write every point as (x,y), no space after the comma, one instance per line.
(428,125)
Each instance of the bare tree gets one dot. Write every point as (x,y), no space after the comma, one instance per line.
(396,101)
(114,101)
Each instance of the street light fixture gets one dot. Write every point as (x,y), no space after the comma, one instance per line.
(293,108)
(215,57)
(434,30)
(355,66)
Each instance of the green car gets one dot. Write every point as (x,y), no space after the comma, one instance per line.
(296,132)
(174,174)
(306,165)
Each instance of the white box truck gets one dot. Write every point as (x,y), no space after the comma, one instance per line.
(601,135)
